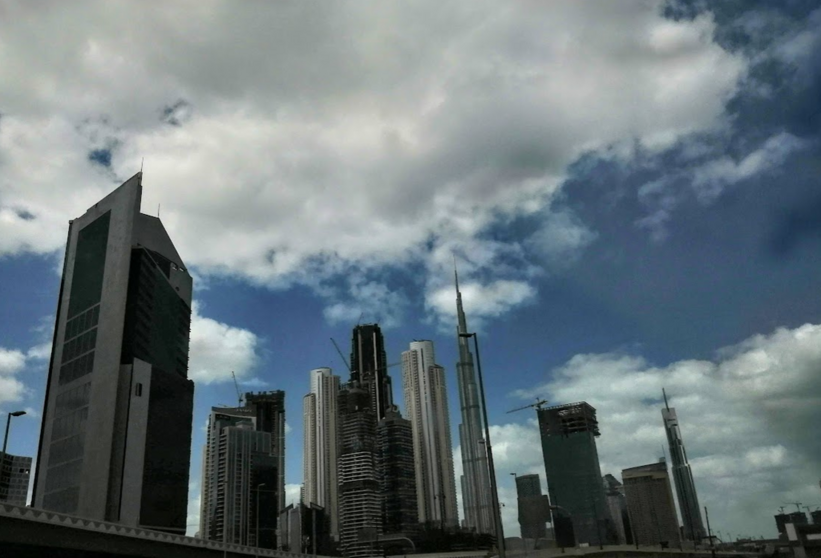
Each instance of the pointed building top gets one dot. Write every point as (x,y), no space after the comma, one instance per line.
(664,393)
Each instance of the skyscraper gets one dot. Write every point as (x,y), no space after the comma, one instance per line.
(115,439)
(242,471)
(236,460)
(369,367)
(476,496)
(650,504)
(320,450)
(533,507)
(682,476)
(616,503)
(396,473)
(360,502)
(571,462)
(426,405)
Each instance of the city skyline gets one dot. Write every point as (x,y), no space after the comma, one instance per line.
(630,193)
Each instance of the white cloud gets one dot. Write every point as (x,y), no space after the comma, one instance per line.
(217,349)
(342,138)
(293,493)
(561,238)
(710,180)
(481,301)
(740,416)
(194,503)
(12,389)
(11,361)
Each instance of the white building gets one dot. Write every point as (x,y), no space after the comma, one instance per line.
(426,404)
(320,431)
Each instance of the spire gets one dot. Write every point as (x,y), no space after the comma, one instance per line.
(665,398)
(460,311)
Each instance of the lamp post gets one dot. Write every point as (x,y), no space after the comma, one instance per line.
(260,485)
(8,424)
(494,495)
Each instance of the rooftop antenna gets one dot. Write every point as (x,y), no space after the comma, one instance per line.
(158,211)
(455,272)
(141,164)
(664,393)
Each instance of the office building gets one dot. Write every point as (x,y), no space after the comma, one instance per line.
(533,507)
(369,367)
(268,407)
(396,472)
(571,461)
(426,405)
(360,501)
(796,518)
(240,476)
(320,449)
(816,517)
(475,481)
(15,472)
(115,439)
(682,476)
(650,504)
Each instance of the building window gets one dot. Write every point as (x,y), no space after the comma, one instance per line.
(138,390)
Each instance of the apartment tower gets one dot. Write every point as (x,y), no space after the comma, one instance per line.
(650,504)
(115,440)
(426,405)
(320,449)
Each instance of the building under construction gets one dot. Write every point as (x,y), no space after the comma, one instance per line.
(571,463)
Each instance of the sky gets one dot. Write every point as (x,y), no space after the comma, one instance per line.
(630,191)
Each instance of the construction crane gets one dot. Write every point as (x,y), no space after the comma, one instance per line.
(338,350)
(236,385)
(781,509)
(538,404)
(796,504)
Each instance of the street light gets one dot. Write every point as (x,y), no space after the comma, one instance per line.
(260,485)
(500,535)
(8,424)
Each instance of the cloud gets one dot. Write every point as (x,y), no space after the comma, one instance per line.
(194,503)
(482,301)
(561,238)
(217,349)
(12,389)
(358,137)
(740,416)
(293,493)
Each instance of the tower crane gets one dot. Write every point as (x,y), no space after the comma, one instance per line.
(236,385)
(796,504)
(338,350)
(538,405)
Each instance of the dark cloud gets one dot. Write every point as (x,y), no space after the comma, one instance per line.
(796,226)
(101,157)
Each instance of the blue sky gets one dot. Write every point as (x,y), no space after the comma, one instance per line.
(631,191)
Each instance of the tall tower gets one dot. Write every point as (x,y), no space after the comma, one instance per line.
(532,507)
(359,490)
(650,503)
(321,439)
(476,496)
(115,440)
(369,367)
(245,449)
(682,476)
(426,405)
(571,462)
(236,461)
(396,472)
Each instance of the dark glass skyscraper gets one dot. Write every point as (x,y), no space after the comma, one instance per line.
(115,440)
(571,463)
(532,507)
(682,476)
(369,367)
(397,478)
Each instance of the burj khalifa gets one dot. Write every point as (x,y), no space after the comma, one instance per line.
(476,489)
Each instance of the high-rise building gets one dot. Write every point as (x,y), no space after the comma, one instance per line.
(476,494)
(396,472)
(360,501)
(240,478)
(369,367)
(426,405)
(115,440)
(320,449)
(242,471)
(268,407)
(15,472)
(796,518)
(682,476)
(533,507)
(650,504)
(617,505)
(571,463)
